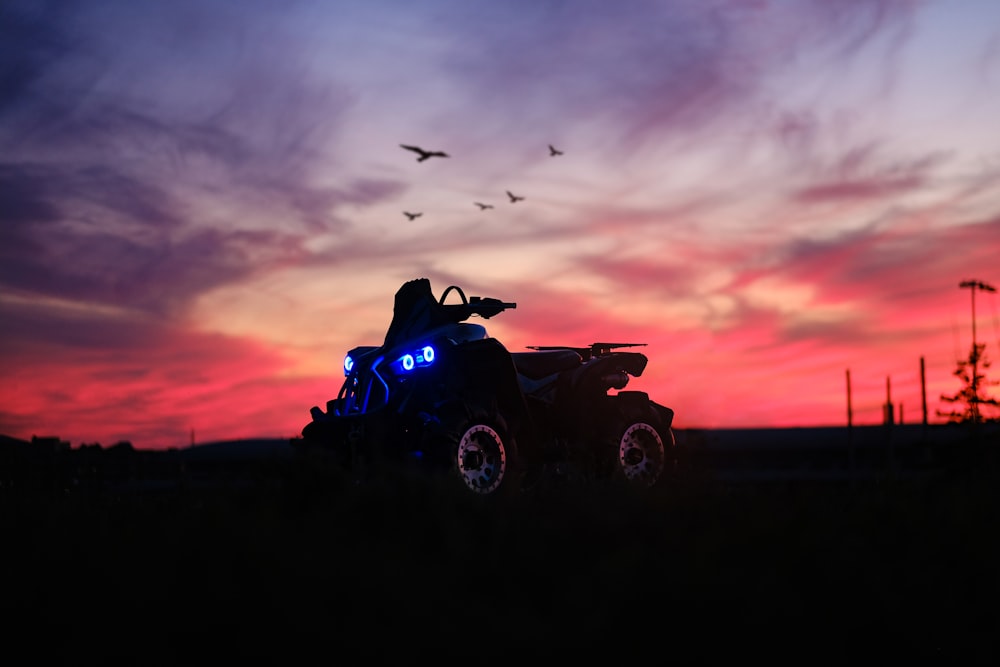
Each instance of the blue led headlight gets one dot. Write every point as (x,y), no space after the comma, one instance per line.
(411,360)
(407,361)
(348,365)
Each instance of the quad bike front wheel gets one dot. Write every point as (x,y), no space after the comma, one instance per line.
(483,454)
(481,459)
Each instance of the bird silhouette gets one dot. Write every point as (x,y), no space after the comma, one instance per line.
(553,151)
(424,154)
(412,216)
(514,198)
(483,207)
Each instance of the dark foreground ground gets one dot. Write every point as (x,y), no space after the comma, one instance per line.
(288,561)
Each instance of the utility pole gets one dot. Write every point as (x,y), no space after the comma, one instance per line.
(973,285)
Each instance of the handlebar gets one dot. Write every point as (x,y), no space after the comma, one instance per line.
(488,307)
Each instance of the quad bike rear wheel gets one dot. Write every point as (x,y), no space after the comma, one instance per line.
(638,448)
(642,453)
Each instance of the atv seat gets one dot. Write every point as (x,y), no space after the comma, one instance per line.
(537,365)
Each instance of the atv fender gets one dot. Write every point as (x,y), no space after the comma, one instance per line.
(482,372)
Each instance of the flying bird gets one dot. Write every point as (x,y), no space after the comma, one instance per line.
(412,216)
(424,154)
(553,151)
(483,207)
(514,198)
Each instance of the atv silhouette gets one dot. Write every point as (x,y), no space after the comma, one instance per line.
(440,393)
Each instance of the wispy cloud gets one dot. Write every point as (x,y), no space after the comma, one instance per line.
(200,202)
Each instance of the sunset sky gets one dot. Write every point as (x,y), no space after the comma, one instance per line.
(201,203)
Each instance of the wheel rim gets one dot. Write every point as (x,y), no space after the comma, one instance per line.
(641,455)
(482,459)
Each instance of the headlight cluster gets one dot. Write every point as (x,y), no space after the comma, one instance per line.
(411,360)
(405,363)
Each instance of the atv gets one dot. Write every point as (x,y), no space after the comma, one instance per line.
(441,394)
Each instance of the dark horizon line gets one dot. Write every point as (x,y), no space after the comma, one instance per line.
(58,441)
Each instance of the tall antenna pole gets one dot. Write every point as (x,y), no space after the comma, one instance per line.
(973,285)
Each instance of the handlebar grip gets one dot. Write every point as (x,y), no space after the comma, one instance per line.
(488,307)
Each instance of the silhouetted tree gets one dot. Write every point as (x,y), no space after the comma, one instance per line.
(971,397)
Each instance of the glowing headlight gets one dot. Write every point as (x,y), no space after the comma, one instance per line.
(423,357)
(348,365)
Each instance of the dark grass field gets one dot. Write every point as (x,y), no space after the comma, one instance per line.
(295,563)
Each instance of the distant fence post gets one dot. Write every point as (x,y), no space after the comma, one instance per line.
(889,412)
(850,414)
(850,426)
(925,447)
(923,391)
